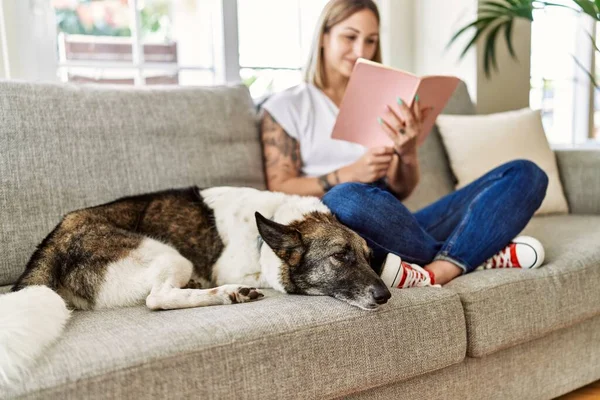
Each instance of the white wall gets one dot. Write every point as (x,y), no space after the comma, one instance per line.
(398,33)
(436,21)
(507,89)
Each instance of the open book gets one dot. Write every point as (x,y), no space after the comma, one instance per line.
(372,87)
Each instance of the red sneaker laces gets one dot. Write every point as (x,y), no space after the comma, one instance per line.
(412,276)
(506,258)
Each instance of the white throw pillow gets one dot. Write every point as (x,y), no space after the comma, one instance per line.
(478,143)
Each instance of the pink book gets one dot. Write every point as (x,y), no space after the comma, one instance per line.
(372,87)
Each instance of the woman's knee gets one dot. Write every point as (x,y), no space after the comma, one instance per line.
(532,176)
(346,198)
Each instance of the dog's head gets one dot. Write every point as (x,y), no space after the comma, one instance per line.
(317,255)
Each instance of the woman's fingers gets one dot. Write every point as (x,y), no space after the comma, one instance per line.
(378,161)
(380,173)
(395,131)
(380,151)
(406,113)
(381,160)
(389,129)
(383,169)
(416,109)
(394,118)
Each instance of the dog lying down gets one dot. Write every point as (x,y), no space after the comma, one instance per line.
(178,249)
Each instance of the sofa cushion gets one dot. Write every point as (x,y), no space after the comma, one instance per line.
(281,347)
(65,147)
(504,308)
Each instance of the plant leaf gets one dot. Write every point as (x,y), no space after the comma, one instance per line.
(490,51)
(508,27)
(549,4)
(524,10)
(497,5)
(594,43)
(471,42)
(486,21)
(588,73)
(588,7)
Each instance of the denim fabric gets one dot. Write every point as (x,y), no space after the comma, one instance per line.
(465,227)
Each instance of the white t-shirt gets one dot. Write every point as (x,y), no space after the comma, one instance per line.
(308,115)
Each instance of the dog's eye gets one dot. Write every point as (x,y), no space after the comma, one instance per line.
(341,256)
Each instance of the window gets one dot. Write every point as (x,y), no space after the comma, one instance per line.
(185,42)
(272,62)
(135,41)
(559,86)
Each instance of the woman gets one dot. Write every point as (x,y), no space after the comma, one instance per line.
(364,187)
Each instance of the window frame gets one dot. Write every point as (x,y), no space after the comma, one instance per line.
(583,106)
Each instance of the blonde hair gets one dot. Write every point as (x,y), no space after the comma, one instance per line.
(334,12)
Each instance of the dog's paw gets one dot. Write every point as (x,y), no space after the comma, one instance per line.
(192,284)
(241,294)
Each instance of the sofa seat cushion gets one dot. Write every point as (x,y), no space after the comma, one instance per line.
(504,308)
(280,347)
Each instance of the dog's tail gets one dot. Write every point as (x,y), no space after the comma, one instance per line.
(30,320)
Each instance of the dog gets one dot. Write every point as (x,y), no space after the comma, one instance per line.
(183,248)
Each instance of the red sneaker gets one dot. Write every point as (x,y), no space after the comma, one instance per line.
(399,274)
(523,252)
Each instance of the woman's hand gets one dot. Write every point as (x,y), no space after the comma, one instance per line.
(404,125)
(373,165)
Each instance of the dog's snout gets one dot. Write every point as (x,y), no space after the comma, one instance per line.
(381,294)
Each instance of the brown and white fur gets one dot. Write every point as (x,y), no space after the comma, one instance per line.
(182,248)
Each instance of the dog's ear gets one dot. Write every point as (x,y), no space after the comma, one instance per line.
(276,235)
(285,241)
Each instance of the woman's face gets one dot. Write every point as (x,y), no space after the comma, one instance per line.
(354,37)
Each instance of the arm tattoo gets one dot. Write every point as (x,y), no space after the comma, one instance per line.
(281,152)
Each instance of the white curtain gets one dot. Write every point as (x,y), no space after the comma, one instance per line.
(29,47)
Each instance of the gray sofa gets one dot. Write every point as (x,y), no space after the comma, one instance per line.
(504,334)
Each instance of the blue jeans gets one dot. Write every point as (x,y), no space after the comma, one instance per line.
(465,227)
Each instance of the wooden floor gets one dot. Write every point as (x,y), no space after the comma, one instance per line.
(590,392)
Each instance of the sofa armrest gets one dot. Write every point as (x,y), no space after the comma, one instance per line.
(580,176)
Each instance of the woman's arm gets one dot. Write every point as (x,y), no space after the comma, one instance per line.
(403,175)
(283,162)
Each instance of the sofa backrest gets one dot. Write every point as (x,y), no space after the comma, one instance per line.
(437,179)
(65,147)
